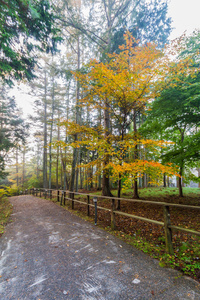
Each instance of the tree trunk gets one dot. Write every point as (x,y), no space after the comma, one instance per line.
(66,184)
(180,182)
(23,166)
(45,136)
(58,155)
(92,172)
(135,194)
(99,183)
(51,133)
(164,181)
(81,178)
(119,192)
(106,186)
(106,181)
(17,167)
(75,150)
(168,181)
(57,167)
(38,158)
(77,170)
(181,167)
(73,173)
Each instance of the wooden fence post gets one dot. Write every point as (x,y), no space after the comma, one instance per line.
(113,225)
(58,197)
(64,197)
(62,194)
(168,231)
(72,196)
(88,206)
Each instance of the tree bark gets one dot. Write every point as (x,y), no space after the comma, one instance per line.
(17,167)
(77,170)
(58,154)
(74,174)
(164,181)
(119,192)
(38,158)
(45,135)
(135,193)
(180,182)
(181,167)
(51,133)
(106,180)
(23,166)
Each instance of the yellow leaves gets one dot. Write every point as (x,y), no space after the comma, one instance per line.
(137,168)
(125,83)
(125,79)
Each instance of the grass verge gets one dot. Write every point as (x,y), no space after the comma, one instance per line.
(5,212)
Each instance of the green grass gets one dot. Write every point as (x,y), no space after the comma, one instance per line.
(156,192)
(5,211)
(186,257)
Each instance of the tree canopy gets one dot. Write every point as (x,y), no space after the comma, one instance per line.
(24,26)
(175,114)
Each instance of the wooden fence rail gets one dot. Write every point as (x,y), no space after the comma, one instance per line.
(168,227)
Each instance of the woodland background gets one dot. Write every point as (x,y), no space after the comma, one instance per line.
(117,103)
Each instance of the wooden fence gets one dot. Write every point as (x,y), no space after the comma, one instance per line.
(62,196)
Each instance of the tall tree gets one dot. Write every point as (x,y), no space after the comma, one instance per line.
(124,85)
(175,114)
(103,23)
(12,127)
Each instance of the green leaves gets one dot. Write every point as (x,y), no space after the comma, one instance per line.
(19,22)
(175,114)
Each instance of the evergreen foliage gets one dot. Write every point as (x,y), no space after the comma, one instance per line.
(24,26)
(12,128)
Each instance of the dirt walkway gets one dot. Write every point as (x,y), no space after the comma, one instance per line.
(47,253)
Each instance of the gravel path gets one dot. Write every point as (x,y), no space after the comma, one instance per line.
(47,253)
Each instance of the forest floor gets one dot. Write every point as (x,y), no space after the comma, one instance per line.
(149,237)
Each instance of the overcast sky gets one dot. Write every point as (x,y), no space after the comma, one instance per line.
(185,15)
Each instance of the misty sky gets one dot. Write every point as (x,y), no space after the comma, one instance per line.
(185,17)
